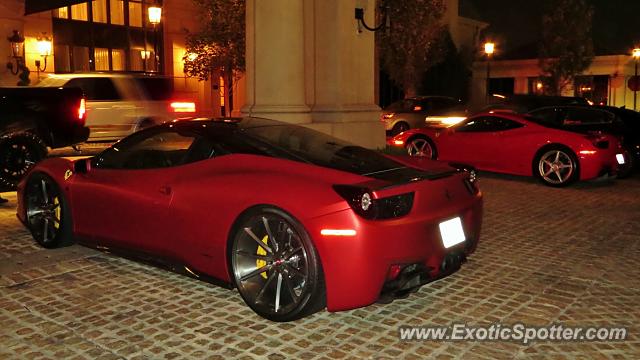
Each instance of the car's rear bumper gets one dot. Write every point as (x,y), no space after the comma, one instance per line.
(599,163)
(357,268)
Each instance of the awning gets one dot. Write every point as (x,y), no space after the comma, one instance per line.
(36,6)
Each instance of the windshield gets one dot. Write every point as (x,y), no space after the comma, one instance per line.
(317,148)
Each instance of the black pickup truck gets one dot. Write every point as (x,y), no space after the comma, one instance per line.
(33,120)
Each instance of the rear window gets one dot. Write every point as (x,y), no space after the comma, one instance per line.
(322,150)
(158,89)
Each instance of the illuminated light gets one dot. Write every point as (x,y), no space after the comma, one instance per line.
(417,108)
(446,120)
(183,107)
(155,14)
(44,46)
(145,54)
(587,152)
(338,232)
(192,56)
(620,159)
(489,48)
(388,116)
(82,110)
(499,96)
(398,142)
(590,102)
(539,85)
(636,53)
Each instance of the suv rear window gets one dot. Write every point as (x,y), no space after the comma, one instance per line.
(158,88)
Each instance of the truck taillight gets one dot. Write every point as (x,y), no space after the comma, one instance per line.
(183,107)
(82,109)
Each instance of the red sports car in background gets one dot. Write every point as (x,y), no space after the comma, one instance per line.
(294,219)
(520,145)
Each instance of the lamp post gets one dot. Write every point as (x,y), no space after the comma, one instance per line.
(17,52)
(44,45)
(636,56)
(155,15)
(489,49)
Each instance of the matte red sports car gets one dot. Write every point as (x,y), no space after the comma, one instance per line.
(295,219)
(557,154)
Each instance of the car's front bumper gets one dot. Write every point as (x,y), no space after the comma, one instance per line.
(357,268)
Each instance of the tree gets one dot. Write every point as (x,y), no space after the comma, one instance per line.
(567,45)
(219,45)
(414,41)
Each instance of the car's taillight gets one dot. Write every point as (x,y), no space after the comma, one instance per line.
(82,110)
(183,107)
(388,116)
(362,202)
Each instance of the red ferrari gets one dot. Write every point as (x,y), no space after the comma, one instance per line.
(557,154)
(294,219)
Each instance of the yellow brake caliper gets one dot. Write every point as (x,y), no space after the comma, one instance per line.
(262,251)
(56,202)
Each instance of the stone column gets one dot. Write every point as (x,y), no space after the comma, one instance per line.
(275,79)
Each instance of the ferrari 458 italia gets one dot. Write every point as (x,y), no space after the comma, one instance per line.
(521,145)
(294,219)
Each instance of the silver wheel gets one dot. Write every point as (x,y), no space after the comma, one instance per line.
(420,147)
(556,167)
(272,266)
(44,211)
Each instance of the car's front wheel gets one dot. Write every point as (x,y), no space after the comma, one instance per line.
(48,214)
(275,266)
(556,166)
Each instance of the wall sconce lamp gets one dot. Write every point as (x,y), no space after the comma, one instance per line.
(385,24)
(44,46)
(17,52)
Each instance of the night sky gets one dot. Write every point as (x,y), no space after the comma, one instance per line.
(515,24)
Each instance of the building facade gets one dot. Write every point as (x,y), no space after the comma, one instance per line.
(605,82)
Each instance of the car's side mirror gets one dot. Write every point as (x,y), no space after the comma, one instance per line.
(82,166)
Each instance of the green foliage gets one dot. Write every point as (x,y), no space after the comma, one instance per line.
(567,44)
(451,77)
(220,42)
(414,43)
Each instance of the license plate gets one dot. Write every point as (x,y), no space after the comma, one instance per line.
(620,158)
(451,232)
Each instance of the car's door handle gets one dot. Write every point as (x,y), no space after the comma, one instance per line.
(165,190)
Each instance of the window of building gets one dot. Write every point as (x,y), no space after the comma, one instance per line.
(79,12)
(117,12)
(99,9)
(61,13)
(102,59)
(117,60)
(594,88)
(135,13)
(80,58)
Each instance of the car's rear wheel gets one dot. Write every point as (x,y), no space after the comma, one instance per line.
(276,267)
(18,153)
(421,146)
(556,166)
(48,215)
(399,128)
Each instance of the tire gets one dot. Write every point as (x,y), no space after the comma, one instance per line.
(421,146)
(628,168)
(556,166)
(48,213)
(292,285)
(18,153)
(399,128)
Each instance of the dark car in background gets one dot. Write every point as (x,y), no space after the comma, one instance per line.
(410,113)
(523,103)
(622,123)
(33,120)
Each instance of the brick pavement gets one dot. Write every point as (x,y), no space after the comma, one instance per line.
(569,256)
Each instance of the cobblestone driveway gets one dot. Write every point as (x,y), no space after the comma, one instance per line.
(569,256)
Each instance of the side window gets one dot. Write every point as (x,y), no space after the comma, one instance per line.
(489,124)
(156,149)
(95,89)
(548,116)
